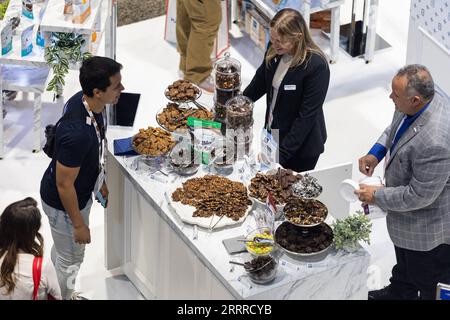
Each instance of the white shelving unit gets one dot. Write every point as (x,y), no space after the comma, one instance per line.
(30,73)
(55,21)
(334,5)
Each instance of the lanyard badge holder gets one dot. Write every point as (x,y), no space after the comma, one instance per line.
(91,121)
(269,148)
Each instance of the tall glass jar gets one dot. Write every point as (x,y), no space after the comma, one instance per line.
(227,79)
(239,123)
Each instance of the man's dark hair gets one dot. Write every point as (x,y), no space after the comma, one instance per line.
(95,73)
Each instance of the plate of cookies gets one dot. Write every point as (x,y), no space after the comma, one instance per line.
(181,91)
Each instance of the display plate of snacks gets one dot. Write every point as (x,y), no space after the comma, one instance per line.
(153,142)
(181,91)
(173,116)
(210,201)
(304,242)
(276,181)
(305,212)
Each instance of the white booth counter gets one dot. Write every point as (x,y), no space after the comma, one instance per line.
(166,258)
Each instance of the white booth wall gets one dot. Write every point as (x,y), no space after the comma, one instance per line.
(429,39)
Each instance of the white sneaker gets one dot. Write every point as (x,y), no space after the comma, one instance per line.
(207,85)
(77,296)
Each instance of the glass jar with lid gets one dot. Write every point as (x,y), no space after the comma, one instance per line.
(227,79)
(239,112)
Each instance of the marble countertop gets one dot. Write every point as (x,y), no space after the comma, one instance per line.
(292,275)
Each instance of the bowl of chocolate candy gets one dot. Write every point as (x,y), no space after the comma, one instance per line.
(307,188)
(304,242)
(262,270)
(305,212)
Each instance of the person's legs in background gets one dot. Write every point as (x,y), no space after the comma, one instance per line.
(205,17)
(183,29)
(66,255)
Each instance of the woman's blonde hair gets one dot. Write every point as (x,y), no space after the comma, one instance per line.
(290,25)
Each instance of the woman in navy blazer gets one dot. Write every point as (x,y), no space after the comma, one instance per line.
(297,109)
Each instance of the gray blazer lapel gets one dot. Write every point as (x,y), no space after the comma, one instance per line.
(410,132)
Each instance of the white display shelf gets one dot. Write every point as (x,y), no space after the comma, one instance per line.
(35,58)
(270,11)
(23,78)
(55,21)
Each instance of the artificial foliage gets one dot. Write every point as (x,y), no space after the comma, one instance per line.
(64,49)
(3,8)
(349,231)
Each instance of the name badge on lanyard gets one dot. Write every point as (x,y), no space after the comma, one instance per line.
(92,121)
(290,87)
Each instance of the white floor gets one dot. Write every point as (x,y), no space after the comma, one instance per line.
(357,109)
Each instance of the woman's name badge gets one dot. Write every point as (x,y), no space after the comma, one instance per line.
(290,87)
(88,121)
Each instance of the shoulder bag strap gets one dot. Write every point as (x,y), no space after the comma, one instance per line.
(37,267)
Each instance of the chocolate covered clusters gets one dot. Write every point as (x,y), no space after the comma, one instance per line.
(222,96)
(239,115)
(153,141)
(214,195)
(174,117)
(308,187)
(261,269)
(305,211)
(278,184)
(182,91)
(304,240)
(227,77)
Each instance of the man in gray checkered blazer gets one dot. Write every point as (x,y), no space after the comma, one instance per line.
(416,195)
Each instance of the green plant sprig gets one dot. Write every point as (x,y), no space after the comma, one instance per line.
(3,7)
(347,232)
(64,48)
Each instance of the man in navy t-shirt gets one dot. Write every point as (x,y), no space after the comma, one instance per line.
(75,171)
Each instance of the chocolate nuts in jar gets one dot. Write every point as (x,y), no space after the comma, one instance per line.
(239,112)
(227,73)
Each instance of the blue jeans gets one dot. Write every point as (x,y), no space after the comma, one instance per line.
(67,255)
